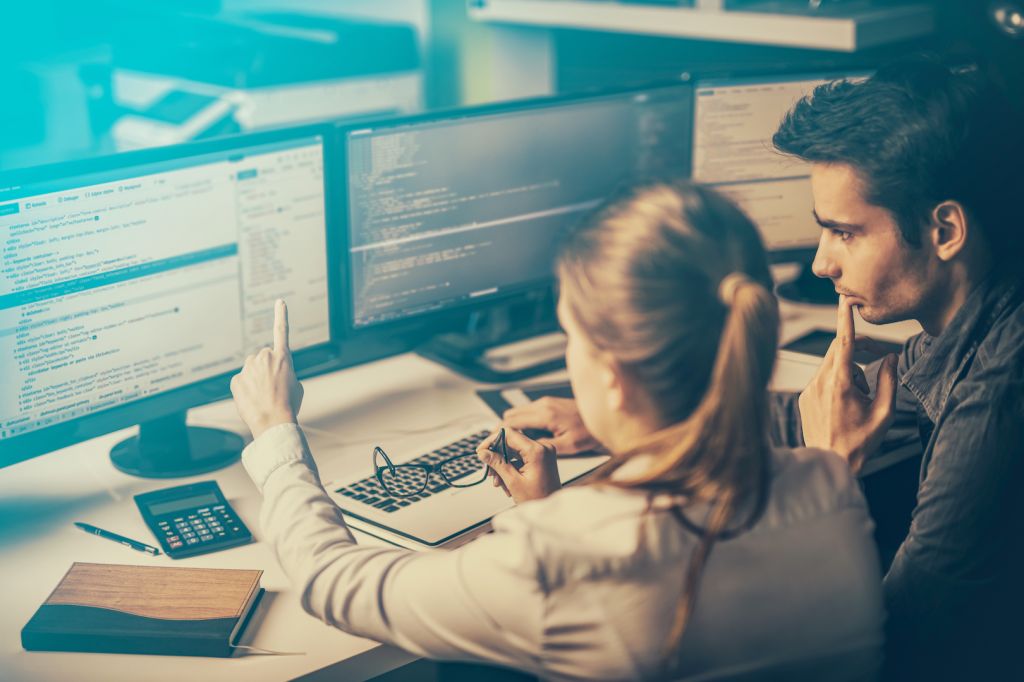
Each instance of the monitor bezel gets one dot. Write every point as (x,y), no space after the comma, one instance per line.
(308,362)
(426,324)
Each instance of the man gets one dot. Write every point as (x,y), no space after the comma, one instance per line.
(916,175)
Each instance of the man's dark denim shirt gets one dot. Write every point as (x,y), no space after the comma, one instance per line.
(955,585)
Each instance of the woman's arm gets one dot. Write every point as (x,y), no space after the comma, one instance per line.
(481,602)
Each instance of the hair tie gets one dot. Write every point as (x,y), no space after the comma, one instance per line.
(729,285)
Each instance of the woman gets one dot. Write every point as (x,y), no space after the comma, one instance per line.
(697,551)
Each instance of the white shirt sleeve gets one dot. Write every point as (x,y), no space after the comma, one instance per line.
(483,601)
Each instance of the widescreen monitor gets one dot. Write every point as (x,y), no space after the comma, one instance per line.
(458,210)
(133,287)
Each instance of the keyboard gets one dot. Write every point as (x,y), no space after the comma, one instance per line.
(369,491)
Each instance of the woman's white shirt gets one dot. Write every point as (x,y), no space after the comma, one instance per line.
(584,584)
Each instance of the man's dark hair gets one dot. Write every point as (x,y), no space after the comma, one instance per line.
(919,133)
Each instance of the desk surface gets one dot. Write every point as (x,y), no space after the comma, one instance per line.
(393,401)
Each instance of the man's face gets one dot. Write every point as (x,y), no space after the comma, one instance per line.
(862,252)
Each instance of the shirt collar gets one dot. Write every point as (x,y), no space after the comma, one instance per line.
(932,377)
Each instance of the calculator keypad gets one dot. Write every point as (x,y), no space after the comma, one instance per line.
(192,519)
(200,526)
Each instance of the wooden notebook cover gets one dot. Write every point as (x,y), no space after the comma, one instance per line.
(144,610)
(171,593)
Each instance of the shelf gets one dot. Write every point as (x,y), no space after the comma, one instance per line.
(841,29)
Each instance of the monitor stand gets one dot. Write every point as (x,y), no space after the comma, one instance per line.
(168,448)
(481,359)
(506,343)
(809,288)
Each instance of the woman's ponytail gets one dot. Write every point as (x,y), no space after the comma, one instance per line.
(673,283)
(732,418)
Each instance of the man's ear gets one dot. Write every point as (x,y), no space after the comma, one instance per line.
(949,230)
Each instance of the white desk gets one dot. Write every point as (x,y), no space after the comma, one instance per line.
(345,414)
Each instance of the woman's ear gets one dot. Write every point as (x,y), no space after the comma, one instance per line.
(614,382)
(949,230)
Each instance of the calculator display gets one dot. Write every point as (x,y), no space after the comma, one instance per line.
(157,508)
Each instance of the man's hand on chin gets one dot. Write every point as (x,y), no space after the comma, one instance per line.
(837,411)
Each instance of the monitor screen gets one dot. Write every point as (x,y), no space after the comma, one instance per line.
(121,284)
(464,208)
(734,120)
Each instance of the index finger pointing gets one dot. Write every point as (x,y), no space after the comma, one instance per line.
(280,326)
(845,332)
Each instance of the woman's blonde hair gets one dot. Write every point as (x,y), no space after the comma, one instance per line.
(671,281)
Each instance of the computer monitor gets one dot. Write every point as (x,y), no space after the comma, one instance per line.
(133,287)
(460,210)
(734,120)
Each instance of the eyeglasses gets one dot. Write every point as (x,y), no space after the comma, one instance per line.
(407,480)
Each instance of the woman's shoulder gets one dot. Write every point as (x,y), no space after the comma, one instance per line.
(593,531)
(808,482)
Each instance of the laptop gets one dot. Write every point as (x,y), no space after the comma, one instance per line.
(443,515)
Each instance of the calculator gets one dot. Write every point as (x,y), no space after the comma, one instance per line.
(192,519)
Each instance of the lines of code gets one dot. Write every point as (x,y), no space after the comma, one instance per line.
(112,290)
(461,208)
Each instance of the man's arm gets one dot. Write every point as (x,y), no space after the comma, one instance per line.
(959,537)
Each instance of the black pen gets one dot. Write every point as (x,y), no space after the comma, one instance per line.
(499,442)
(127,542)
(504,450)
